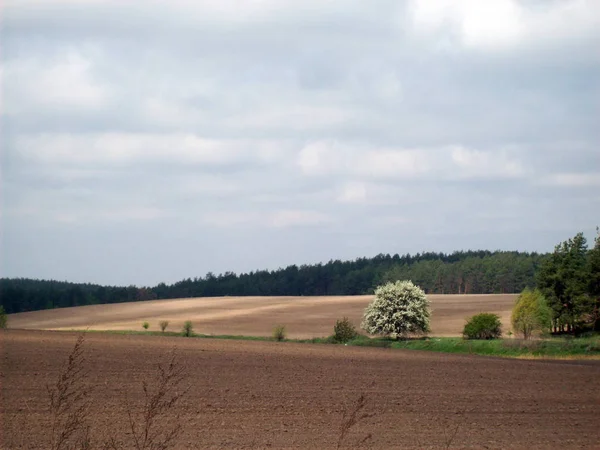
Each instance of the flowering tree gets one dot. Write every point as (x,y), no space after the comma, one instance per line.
(398,309)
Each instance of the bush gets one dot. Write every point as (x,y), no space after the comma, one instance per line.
(483,326)
(531,313)
(3,318)
(188,329)
(163,325)
(145,325)
(398,309)
(279,333)
(344,331)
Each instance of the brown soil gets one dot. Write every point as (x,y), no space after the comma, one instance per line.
(304,317)
(283,395)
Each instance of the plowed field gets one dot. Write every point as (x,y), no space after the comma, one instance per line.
(247,394)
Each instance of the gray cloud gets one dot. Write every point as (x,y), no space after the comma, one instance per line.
(146,142)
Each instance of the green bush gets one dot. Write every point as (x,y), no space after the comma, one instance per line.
(163,325)
(3,318)
(531,314)
(188,329)
(483,326)
(145,325)
(279,333)
(344,331)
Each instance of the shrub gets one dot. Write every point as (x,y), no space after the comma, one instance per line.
(188,329)
(163,325)
(531,313)
(145,325)
(483,326)
(279,333)
(3,318)
(344,331)
(398,309)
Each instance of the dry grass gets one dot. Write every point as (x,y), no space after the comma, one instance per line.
(350,418)
(70,405)
(148,432)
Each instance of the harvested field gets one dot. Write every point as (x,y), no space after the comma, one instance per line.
(304,317)
(283,395)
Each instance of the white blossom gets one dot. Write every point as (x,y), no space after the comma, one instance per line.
(398,309)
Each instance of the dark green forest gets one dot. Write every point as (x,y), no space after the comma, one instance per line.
(470,272)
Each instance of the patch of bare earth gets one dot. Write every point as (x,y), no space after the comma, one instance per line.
(282,395)
(304,317)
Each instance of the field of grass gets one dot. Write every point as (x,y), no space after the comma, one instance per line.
(557,347)
(552,348)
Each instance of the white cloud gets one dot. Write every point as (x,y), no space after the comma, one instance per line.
(127,149)
(488,23)
(353,192)
(393,163)
(479,164)
(500,24)
(324,158)
(236,124)
(66,83)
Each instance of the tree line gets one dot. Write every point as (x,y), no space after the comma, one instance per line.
(569,280)
(463,272)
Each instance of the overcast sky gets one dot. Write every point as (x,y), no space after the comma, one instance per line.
(147,141)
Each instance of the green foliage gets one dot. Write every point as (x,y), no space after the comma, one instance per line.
(399,309)
(188,329)
(3,318)
(594,283)
(564,279)
(531,313)
(483,326)
(344,331)
(163,325)
(279,333)
(145,325)
(472,272)
(555,347)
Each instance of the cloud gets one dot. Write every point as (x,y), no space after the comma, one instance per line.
(479,164)
(291,218)
(354,192)
(572,179)
(241,135)
(128,149)
(504,24)
(444,163)
(57,85)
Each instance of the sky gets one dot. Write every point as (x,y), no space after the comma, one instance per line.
(150,141)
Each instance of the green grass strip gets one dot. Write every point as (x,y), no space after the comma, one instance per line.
(559,347)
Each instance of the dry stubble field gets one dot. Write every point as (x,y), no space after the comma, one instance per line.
(304,317)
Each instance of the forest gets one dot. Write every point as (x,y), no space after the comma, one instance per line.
(462,272)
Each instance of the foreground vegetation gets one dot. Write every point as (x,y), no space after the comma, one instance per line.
(551,347)
(548,348)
